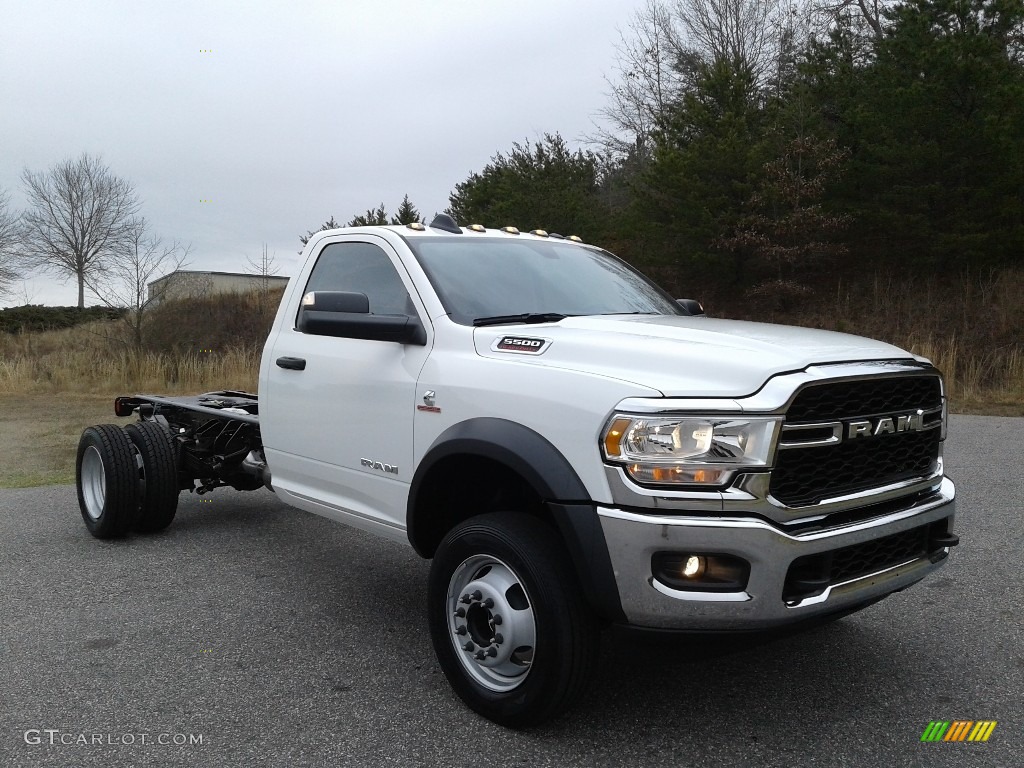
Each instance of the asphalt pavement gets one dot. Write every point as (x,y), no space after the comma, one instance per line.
(250,634)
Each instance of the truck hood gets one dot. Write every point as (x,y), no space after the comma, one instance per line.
(679,356)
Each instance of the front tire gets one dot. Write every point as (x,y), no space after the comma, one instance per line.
(510,628)
(106,475)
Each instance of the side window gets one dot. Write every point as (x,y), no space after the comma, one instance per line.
(362,268)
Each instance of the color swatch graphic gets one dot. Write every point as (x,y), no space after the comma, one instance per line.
(958,730)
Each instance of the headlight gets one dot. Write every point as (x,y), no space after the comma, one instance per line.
(694,450)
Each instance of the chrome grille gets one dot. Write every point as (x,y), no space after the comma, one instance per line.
(805,476)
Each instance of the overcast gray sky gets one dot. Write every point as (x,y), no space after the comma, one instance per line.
(299,111)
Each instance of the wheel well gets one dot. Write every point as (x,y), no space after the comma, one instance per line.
(460,486)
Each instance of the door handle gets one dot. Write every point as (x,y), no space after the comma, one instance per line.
(292,363)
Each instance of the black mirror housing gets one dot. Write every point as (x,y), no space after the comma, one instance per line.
(691,307)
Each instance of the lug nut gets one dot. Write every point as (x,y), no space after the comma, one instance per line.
(461,613)
(480,656)
(468,646)
(492,652)
(488,603)
(497,639)
(476,594)
(496,618)
(460,630)
(465,599)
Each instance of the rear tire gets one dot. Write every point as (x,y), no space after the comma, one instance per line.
(107,478)
(158,475)
(534,639)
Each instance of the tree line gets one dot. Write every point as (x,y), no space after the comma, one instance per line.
(755,144)
(767,146)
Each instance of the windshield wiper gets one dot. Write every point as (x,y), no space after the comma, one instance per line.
(526,317)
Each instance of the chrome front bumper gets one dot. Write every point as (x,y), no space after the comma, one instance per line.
(633,539)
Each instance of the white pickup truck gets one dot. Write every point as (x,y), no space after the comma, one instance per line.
(570,445)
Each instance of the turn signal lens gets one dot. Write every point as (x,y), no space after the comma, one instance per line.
(613,437)
(655,473)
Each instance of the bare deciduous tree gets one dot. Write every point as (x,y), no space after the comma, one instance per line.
(263,267)
(670,43)
(9,239)
(647,81)
(80,216)
(865,15)
(744,32)
(124,281)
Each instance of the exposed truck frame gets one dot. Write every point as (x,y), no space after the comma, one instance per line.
(216,437)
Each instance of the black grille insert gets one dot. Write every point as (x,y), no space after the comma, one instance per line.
(864,397)
(806,476)
(811,574)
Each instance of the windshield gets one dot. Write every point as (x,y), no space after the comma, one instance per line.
(477,278)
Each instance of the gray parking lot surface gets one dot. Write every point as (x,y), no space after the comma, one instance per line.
(259,635)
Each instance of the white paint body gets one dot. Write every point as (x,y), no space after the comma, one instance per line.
(358,399)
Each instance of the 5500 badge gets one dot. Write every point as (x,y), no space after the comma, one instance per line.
(521,345)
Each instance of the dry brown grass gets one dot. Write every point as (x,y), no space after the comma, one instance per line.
(93,359)
(972,327)
(987,382)
(973,330)
(40,435)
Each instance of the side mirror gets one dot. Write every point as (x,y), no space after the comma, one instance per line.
(336,301)
(347,315)
(690,307)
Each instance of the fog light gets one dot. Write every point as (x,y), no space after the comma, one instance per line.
(694,566)
(704,572)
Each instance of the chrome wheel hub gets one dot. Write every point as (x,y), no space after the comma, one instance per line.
(94,482)
(492,622)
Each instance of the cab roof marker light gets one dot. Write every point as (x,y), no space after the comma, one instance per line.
(556,236)
(416,226)
(477,228)
(538,232)
(510,230)
(575,238)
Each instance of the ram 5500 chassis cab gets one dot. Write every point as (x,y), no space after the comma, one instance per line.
(568,444)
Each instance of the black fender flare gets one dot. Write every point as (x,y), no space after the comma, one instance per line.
(531,456)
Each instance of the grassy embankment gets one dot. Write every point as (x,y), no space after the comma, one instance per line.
(55,383)
(973,331)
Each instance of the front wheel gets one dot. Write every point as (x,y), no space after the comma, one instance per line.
(510,629)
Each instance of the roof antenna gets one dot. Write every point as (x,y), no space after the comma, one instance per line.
(445,223)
